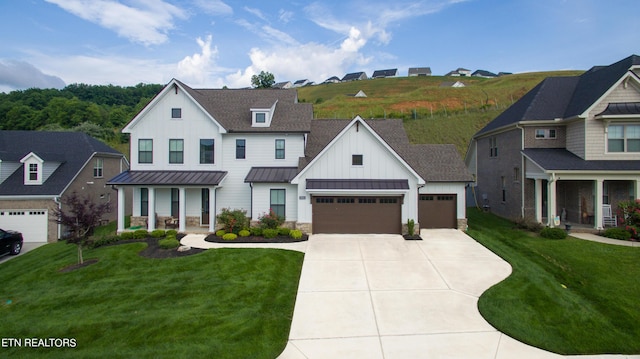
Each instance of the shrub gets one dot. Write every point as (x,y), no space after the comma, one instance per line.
(171,232)
(411,224)
(528,225)
(256,231)
(169,243)
(629,215)
(295,234)
(244,233)
(270,220)
(270,233)
(140,234)
(104,240)
(158,233)
(220,232)
(617,233)
(230,236)
(126,235)
(283,231)
(553,233)
(232,220)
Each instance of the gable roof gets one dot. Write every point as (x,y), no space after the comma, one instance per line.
(385,73)
(71,149)
(431,162)
(354,76)
(419,71)
(231,108)
(563,97)
(483,73)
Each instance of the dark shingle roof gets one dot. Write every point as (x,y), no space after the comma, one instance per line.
(438,163)
(358,184)
(232,108)
(563,97)
(385,73)
(483,73)
(558,159)
(71,149)
(271,174)
(169,178)
(354,76)
(419,71)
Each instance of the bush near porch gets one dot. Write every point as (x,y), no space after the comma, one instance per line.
(629,215)
(570,296)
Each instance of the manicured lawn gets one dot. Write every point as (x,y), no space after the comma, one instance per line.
(567,296)
(227,303)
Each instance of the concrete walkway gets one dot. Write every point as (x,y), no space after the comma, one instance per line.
(379,296)
(596,238)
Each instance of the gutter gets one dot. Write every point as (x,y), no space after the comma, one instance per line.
(57,201)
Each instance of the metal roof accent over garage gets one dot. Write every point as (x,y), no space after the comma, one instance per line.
(271,174)
(358,184)
(195,178)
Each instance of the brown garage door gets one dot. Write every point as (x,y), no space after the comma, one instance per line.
(437,211)
(357,214)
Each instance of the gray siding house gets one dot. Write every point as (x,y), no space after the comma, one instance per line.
(566,149)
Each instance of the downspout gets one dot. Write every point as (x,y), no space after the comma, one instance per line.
(251,203)
(57,201)
(522,174)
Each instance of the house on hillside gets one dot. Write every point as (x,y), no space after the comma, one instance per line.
(282,85)
(301,83)
(197,151)
(462,72)
(378,74)
(354,76)
(419,71)
(360,94)
(484,73)
(568,150)
(37,168)
(332,80)
(452,84)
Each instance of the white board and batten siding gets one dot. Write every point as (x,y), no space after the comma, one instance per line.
(446,188)
(262,200)
(32,223)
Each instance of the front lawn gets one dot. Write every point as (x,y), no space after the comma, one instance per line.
(226,303)
(567,296)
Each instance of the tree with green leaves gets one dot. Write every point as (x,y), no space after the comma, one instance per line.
(264,80)
(80,215)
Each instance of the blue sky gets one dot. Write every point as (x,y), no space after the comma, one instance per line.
(213,43)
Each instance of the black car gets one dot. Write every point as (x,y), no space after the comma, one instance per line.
(10,242)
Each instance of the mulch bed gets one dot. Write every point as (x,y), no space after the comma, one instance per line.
(256,239)
(73,267)
(153,250)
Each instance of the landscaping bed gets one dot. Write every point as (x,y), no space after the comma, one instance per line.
(257,239)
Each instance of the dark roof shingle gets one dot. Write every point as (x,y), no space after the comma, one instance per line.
(271,174)
(169,178)
(560,159)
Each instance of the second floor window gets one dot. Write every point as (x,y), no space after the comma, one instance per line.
(260,117)
(33,172)
(98,168)
(623,138)
(207,151)
(145,151)
(176,113)
(241,146)
(176,151)
(279,149)
(493,147)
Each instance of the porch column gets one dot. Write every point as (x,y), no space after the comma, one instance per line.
(151,216)
(637,189)
(212,209)
(538,200)
(182,210)
(551,201)
(121,201)
(597,206)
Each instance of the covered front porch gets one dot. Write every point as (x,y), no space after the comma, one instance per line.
(181,200)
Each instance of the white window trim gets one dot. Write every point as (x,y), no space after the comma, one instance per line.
(624,138)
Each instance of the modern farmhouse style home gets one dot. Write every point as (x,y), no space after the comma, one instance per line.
(567,151)
(197,151)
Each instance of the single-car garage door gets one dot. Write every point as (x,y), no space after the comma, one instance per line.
(31,223)
(437,211)
(357,214)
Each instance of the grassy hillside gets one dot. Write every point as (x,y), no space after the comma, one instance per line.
(431,113)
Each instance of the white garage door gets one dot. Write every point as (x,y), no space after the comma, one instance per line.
(32,223)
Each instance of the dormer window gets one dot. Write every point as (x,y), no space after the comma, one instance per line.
(33,172)
(262,114)
(260,117)
(32,169)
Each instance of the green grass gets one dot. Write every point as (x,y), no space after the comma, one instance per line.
(567,296)
(227,303)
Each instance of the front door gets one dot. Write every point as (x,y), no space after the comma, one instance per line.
(204,218)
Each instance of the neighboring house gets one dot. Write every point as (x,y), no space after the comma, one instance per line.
(419,71)
(378,74)
(452,84)
(484,73)
(354,76)
(565,149)
(332,80)
(360,94)
(462,72)
(195,152)
(282,85)
(38,168)
(504,73)
(301,83)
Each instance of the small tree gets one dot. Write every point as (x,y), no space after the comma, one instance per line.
(264,80)
(80,215)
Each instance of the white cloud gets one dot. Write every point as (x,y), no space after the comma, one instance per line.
(20,75)
(195,69)
(256,12)
(214,7)
(285,16)
(147,24)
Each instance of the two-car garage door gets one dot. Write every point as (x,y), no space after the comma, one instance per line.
(344,214)
(31,223)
